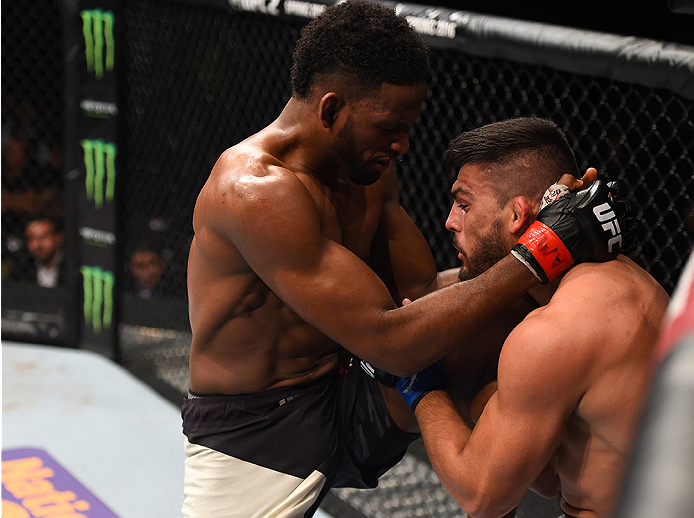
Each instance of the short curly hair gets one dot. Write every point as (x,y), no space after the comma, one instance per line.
(360,45)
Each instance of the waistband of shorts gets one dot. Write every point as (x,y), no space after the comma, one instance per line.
(280,395)
(203,411)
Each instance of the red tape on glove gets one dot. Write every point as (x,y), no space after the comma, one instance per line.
(547,249)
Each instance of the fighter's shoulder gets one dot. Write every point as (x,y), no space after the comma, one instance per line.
(597,286)
(249,173)
(542,332)
(567,327)
(250,164)
(549,354)
(591,303)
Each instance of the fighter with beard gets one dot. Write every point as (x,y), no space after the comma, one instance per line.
(301,248)
(572,377)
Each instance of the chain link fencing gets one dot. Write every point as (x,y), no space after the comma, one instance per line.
(31,119)
(200,80)
(198,77)
(32,174)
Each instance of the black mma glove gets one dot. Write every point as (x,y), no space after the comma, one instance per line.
(626,212)
(571,228)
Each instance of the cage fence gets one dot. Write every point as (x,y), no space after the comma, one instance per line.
(198,77)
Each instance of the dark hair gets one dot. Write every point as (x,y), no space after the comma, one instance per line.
(145,246)
(33,218)
(525,155)
(360,45)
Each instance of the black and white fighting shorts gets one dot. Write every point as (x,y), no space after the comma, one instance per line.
(277,453)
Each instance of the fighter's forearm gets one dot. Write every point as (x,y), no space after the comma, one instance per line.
(446,278)
(445,437)
(410,338)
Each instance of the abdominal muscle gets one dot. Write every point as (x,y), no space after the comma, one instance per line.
(257,349)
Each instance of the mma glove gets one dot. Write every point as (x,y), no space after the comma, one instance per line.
(414,388)
(571,228)
(626,212)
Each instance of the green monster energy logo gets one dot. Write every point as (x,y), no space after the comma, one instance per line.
(98,297)
(99,44)
(100,165)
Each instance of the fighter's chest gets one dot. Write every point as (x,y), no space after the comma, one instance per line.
(352,220)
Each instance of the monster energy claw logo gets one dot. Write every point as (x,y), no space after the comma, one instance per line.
(98,297)
(97,28)
(99,165)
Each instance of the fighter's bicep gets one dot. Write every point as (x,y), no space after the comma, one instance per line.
(335,292)
(542,367)
(522,423)
(279,234)
(507,450)
(400,244)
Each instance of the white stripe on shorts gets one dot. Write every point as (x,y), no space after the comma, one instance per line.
(225,487)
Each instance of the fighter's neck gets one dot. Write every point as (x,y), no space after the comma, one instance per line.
(543,294)
(304,145)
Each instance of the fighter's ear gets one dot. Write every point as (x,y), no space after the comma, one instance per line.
(329,108)
(523,213)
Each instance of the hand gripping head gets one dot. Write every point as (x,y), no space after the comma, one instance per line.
(584,226)
(587,223)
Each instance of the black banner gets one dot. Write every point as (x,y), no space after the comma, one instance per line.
(647,62)
(92,161)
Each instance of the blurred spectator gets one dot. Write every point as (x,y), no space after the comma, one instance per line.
(148,269)
(18,195)
(32,166)
(32,183)
(44,240)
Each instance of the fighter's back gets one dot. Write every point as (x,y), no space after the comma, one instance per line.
(612,312)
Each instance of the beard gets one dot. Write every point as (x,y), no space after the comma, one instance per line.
(489,250)
(355,167)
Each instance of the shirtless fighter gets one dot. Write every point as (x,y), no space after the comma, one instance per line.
(572,377)
(301,247)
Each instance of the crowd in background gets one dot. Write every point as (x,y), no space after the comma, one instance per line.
(33,206)
(33,211)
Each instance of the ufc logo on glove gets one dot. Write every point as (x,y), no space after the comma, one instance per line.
(605,214)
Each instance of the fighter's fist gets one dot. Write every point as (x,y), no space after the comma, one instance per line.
(414,388)
(571,228)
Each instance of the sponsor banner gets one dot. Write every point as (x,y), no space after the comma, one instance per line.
(96,89)
(435,22)
(99,41)
(96,109)
(97,298)
(34,485)
(92,70)
(99,171)
(430,21)
(97,238)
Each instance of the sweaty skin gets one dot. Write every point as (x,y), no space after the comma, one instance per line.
(570,397)
(280,275)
